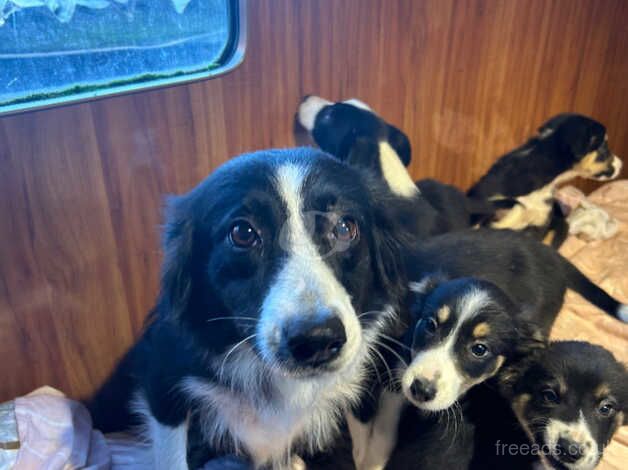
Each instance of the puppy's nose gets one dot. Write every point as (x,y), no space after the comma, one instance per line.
(423,390)
(568,451)
(316,340)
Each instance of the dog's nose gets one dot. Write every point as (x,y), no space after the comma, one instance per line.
(422,390)
(568,451)
(316,340)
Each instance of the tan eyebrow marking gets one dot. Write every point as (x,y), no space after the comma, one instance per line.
(443,313)
(602,391)
(481,329)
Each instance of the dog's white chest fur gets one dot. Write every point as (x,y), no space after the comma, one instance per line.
(305,413)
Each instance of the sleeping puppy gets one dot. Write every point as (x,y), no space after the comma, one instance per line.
(352,132)
(567,401)
(566,146)
(279,273)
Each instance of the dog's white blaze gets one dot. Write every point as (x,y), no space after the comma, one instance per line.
(395,174)
(168,444)
(438,364)
(622,313)
(578,432)
(308,110)
(305,282)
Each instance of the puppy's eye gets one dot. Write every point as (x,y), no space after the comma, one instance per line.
(345,230)
(549,396)
(243,235)
(606,409)
(429,325)
(479,349)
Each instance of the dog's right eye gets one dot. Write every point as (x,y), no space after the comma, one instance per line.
(549,396)
(243,235)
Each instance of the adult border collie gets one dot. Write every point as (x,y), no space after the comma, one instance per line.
(279,273)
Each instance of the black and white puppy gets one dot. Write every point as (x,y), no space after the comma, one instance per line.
(351,131)
(567,401)
(466,329)
(567,146)
(279,273)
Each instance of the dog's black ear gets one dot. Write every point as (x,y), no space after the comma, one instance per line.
(362,153)
(421,290)
(530,343)
(530,339)
(400,142)
(177,241)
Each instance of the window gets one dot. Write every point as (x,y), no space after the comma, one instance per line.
(54,51)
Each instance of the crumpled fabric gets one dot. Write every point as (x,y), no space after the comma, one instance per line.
(605,262)
(586,219)
(56,433)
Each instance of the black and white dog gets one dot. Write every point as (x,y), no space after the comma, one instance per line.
(279,273)
(567,146)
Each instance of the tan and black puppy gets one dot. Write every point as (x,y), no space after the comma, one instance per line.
(569,399)
(522,182)
(466,330)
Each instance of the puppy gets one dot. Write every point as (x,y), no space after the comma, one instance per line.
(279,274)
(567,401)
(566,146)
(466,330)
(352,132)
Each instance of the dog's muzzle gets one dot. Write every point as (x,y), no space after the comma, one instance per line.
(312,341)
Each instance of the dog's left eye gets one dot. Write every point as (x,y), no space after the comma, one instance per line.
(243,235)
(479,349)
(549,396)
(345,230)
(606,409)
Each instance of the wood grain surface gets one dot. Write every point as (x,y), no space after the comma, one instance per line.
(81,186)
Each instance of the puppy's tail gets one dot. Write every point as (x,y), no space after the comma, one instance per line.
(593,293)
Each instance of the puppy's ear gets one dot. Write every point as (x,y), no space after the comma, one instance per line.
(362,153)
(400,142)
(530,344)
(420,290)
(530,340)
(176,274)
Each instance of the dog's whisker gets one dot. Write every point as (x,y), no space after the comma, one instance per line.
(379,343)
(231,318)
(393,340)
(390,375)
(224,360)
(370,312)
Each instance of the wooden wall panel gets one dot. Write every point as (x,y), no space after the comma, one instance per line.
(81,187)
